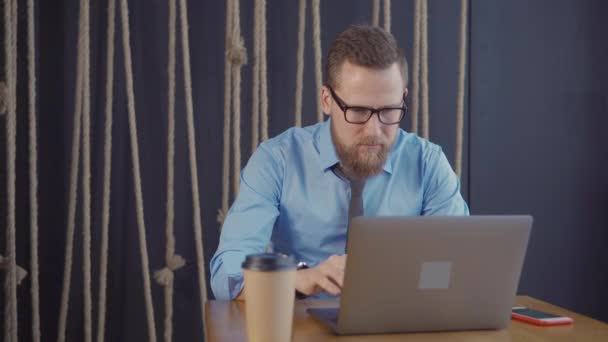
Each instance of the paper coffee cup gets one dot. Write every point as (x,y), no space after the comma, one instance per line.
(270,281)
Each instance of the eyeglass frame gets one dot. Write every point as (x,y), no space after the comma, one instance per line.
(344,107)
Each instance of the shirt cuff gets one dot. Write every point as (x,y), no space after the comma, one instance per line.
(235,285)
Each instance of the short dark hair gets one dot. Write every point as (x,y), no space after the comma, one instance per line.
(367,46)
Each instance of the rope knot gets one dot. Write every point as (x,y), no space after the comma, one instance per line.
(176,262)
(237,53)
(165,275)
(21,272)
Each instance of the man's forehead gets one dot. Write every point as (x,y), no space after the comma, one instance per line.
(353,77)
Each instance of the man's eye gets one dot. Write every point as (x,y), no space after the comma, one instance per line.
(359,111)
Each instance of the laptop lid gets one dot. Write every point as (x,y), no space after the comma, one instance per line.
(406,274)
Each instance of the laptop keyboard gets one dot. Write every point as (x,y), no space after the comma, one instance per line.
(329,314)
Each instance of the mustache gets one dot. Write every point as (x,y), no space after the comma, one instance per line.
(370,140)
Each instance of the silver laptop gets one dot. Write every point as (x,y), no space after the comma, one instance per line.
(408,274)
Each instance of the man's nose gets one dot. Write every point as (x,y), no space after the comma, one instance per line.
(373,126)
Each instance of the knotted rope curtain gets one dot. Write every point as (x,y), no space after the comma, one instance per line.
(82,108)
(236,58)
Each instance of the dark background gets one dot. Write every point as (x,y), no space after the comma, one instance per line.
(535,119)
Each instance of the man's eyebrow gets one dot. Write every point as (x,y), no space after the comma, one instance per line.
(394,106)
(381,107)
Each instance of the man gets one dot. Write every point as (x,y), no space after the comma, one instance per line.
(299,189)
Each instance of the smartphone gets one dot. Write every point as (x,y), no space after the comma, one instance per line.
(525,314)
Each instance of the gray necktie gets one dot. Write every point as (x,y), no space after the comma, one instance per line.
(355,207)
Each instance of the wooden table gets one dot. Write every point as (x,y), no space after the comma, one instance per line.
(225,321)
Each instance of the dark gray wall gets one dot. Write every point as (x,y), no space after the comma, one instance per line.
(539,113)
(537,110)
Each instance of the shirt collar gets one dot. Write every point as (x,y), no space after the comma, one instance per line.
(329,156)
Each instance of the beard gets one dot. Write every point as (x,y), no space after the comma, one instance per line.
(361,163)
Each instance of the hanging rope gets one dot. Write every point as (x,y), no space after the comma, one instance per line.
(196,203)
(264,73)
(33,163)
(387,15)
(81,112)
(316,34)
(165,276)
(76,135)
(260,82)
(300,62)
(376,12)
(86,179)
(238,56)
(143,249)
(227,116)
(107,171)
(416,65)
(461,75)
(424,57)
(10,50)
(255,113)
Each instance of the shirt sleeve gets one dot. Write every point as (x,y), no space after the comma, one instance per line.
(248,225)
(441,187)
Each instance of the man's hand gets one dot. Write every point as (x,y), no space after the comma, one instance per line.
(327,277)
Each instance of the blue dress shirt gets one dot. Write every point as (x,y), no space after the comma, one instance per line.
(291,198)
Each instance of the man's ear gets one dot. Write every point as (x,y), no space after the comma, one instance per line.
(405,92)
(326,100)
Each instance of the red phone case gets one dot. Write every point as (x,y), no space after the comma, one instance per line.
(536,321)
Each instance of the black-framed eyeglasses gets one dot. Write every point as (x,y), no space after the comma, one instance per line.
(360,115)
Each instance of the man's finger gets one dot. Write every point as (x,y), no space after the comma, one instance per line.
(335,274)
(328,286)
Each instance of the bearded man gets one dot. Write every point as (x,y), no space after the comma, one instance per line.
(300,189)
